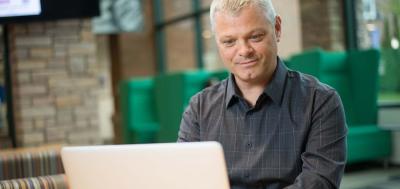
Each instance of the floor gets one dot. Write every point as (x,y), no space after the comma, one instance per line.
(372,177)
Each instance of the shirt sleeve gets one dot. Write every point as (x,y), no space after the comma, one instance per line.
(325,151)
(189,130)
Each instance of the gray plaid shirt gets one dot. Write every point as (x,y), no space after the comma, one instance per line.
(294,137)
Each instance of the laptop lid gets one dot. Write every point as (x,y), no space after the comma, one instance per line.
(197,165)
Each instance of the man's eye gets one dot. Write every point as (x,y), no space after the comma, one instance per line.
(228,43)
(257,37)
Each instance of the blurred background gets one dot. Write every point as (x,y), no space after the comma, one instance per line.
(122,71)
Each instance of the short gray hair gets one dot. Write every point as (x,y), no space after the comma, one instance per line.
(234,7)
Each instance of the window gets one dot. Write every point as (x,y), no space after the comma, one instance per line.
(378,27)
(176,8)
(210,53)
(183,36)
(180,46)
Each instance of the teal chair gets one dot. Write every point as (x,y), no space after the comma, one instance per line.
(354,75)
(139,121)
(219,74)
(172,95)
(152,108)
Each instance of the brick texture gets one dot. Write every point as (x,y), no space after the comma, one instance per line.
(55,72)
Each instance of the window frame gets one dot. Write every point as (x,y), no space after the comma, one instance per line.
(159,29)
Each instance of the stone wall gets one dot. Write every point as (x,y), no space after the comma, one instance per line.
(56,82)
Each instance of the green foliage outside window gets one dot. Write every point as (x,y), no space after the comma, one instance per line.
(390,70)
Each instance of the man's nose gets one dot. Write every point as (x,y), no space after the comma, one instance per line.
(245,49)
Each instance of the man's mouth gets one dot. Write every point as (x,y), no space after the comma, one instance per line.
(247,62)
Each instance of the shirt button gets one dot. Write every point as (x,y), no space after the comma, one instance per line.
(249,144)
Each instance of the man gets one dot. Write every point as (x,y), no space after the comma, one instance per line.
(279,128)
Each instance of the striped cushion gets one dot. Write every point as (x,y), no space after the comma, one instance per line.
(23,165)
(46,182)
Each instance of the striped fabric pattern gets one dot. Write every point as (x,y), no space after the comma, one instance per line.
(24,165)
(45,182)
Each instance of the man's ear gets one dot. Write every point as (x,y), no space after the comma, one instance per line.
(278,27)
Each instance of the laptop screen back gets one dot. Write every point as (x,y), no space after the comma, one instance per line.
(196,165)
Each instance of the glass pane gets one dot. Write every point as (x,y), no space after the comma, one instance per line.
(368,23)
(205,3)
(210,51)
(180,47)
(379,27)
(176,8)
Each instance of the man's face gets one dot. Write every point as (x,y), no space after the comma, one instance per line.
(247,43)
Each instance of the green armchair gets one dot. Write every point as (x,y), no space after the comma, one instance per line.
(172,94)
(354,75)
(139,122)
(151,108)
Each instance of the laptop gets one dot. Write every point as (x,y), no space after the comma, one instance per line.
(196,165)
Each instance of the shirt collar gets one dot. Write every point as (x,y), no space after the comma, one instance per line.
(232,90)
(274,88)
